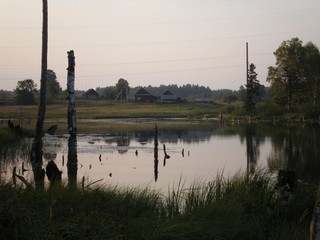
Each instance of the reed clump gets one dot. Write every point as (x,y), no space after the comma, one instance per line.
(241,207)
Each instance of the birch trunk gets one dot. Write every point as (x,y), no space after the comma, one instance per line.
(72,123)
(72,164)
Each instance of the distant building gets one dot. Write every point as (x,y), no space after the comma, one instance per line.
(168,97)
(91,94)
(144,96)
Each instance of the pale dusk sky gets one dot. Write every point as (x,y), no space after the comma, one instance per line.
(149,42)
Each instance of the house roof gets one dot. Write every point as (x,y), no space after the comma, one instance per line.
(91,90)
(167,92)
(142,91)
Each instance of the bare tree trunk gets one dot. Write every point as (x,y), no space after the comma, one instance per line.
(37,157)
(72,124)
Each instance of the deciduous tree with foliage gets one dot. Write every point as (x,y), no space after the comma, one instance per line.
(287,77)
(252,88)
(122,88)
(25,92)
(312,74)
(53,86)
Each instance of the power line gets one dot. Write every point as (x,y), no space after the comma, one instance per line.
(143,73)
(170,42)
(141,62)
(169,22)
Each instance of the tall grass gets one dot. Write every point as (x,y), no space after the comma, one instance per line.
(241,207)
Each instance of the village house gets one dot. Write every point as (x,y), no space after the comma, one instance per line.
(91,94)
(144,96)
(168,97)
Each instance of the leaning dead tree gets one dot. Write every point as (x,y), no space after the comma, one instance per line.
(37,157)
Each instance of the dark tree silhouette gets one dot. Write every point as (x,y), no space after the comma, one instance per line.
(25,92)
(122,87)
(252,89)
(53,86)
(37,158)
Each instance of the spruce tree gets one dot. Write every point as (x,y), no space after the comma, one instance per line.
(252,86)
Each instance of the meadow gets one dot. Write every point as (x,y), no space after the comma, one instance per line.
(56,114)
(109,109)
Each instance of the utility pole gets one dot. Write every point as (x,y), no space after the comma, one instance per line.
(247,80)
(247,63)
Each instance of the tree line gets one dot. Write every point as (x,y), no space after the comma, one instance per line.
(294,85)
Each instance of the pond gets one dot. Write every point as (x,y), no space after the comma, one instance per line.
(196,151)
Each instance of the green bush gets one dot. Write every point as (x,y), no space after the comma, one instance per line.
(269,109)
(24,97)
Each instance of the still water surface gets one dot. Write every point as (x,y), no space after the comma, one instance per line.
(198,153)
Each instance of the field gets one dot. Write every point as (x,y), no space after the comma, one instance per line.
(107,109)
(101,109)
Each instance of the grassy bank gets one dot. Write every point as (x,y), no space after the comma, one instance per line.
(110,109)
(237,208)
(102,109)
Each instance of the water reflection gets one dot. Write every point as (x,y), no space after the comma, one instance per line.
(156,161)
(296,148)
(198,151)
(72,163)
(253,152)
(14,159)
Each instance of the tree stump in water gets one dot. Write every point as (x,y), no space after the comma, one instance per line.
(53,173)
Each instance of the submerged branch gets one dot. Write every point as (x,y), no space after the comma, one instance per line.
(22,179)
(94,182)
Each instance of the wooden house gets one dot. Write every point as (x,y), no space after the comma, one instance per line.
(91,94)
(169,97)
(144,96)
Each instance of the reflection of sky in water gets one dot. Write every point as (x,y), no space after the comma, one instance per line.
(203,159)
(205,156)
